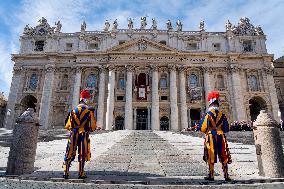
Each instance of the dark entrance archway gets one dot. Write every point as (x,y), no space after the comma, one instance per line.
(28,101)
(255,105)
(142,119)
(119,123)
(194,116)
(164,123)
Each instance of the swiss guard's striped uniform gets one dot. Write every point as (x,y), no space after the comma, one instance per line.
(81,121)
(214,124)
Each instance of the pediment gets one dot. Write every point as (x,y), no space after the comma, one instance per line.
(141,45)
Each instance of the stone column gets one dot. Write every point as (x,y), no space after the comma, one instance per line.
(15,85)
(110,98)
(135,117)
(76,87)
(273,94)
(128,101)
(101,99)
(23,147)
(268,146)
(207,83)
(173,98)
(45,104)
(149,120)
(155,124)
(237,92)
(182,95)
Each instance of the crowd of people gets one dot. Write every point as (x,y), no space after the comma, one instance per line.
(236,126)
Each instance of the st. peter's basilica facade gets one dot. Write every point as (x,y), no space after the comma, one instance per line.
(146,78)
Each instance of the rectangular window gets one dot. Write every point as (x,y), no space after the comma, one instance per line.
(93,46)
(247,45)
(69,46)
(216,46)
(119,98)
(39,45)
(191,46)
(164,97)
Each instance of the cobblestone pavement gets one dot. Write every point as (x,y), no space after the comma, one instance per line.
(123,159)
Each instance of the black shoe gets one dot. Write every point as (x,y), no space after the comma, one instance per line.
(65,176)
(209,178)
(82,177)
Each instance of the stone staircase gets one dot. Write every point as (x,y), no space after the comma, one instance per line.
(143,159)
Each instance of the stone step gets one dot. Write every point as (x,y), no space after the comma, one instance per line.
(121,182)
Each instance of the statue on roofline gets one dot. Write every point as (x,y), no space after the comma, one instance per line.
(83,26)
(179,25)
(169,25)
(107,25)
(58,26)
(154,24)
(143,22)
(130,23)
(202,26)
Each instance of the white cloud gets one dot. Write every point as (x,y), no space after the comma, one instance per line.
(6,66)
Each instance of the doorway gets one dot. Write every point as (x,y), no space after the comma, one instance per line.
(119,123)
(142,119)
(164,123)
(255,105)
(195,116)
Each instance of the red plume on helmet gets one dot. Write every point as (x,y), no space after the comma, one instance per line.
(85,94)
(213,96)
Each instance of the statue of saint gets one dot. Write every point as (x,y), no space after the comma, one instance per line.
(107,25)
(202,26)
(169,25)
(28,30)
(228,26)
(179,25)
(143,22)
(58,26)
(115,25)
(83,26)
(42,21)
(130,23)
(154,24)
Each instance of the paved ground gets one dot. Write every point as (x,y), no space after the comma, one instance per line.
(140,158)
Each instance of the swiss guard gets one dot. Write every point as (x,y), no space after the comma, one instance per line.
(80,122)
(214,124)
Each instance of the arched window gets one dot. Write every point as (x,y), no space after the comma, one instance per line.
(121,83)
(253,85)
(91,81)
(33,82)
(64,82)
(163,82)
(193,81)
(220,82)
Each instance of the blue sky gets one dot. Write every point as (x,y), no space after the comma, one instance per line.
(15,14)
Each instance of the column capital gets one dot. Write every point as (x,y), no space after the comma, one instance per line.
(129,68)
(17,69)
(154,67)
(111,67)
(207,69)
(172,67)
(235,68)
(49,68)
(181,68)
(102,68)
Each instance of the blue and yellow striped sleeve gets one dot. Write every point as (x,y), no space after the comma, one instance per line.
(204,123)
(69,123)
